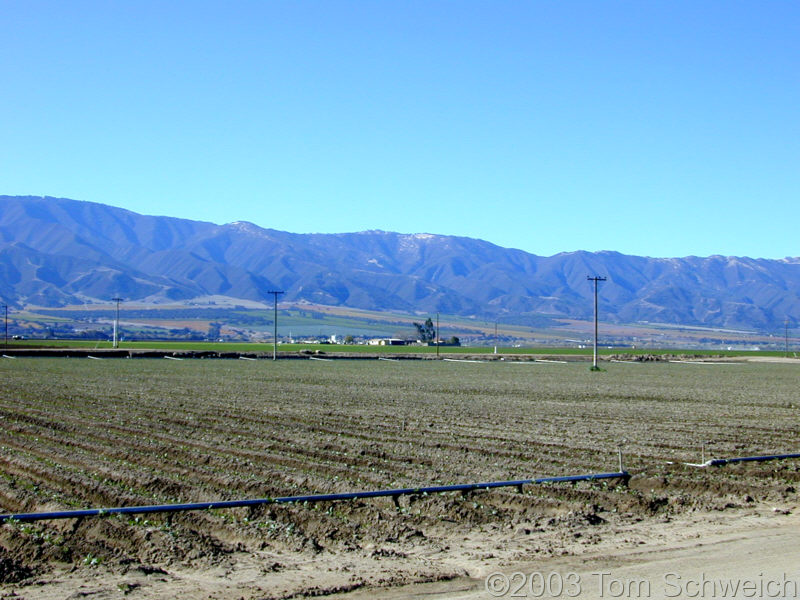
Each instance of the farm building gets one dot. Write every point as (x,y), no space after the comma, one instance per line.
(387,342)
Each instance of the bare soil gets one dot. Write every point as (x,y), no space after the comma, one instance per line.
(79,433)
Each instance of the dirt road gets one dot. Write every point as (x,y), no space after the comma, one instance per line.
(754,555)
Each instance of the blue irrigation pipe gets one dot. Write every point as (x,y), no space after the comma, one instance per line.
(394,493)
(717,462)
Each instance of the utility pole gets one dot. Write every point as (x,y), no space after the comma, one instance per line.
(495,337)
(594,354)
(275,324)
(438,341)
(116,323)
(786,336)
(6,343)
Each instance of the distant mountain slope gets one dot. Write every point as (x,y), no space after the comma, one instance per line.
(57,251)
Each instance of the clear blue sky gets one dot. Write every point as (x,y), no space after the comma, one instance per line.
(652,128)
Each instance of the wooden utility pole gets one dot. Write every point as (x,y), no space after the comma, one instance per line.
(275,324)
(116,323)
(786,336)
(594,354)
(438,340)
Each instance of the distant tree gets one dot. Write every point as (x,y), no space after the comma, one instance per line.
(426,332)
(454,341)
(348,339)
(214,330)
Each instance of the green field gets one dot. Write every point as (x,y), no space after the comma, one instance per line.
(246,347)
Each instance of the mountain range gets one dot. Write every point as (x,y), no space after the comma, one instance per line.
(56,252)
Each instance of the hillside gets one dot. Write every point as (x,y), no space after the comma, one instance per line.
(55,252)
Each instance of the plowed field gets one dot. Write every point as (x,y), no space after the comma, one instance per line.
(80,433)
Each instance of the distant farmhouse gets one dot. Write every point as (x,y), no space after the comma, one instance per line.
(387,342)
